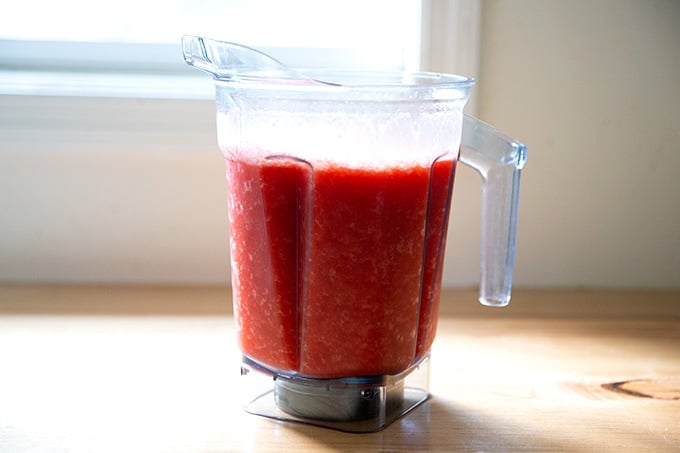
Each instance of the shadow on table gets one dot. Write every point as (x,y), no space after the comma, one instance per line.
(457,428)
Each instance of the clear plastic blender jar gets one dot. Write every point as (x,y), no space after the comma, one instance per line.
(339,195)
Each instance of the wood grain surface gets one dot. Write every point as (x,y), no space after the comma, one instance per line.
(156,369)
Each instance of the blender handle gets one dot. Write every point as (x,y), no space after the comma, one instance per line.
(499,160)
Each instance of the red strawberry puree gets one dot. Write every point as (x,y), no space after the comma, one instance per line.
(337,271)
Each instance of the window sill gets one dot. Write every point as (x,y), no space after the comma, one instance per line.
(112,85)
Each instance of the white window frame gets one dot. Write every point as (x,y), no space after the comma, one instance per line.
(449,42)
(451,37)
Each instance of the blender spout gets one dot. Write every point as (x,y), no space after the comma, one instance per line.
(196,54)
(228,61)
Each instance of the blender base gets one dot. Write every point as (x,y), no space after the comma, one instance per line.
(355,404)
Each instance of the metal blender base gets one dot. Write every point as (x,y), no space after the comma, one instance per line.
(356,404)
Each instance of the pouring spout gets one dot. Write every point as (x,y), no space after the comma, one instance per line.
(222,60)
(195,53)
(229,61)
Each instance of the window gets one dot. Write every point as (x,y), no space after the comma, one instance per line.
(109,168)
(99,49)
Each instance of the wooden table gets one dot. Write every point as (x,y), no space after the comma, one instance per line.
(155,369)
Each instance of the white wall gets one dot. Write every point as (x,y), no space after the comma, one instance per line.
(83,201)
(592,87)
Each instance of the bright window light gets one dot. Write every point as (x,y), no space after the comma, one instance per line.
(290,23)
(86,48)
(388,29)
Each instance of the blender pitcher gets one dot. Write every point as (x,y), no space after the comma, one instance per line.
(339,188)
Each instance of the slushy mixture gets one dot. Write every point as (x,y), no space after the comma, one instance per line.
(336,271)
